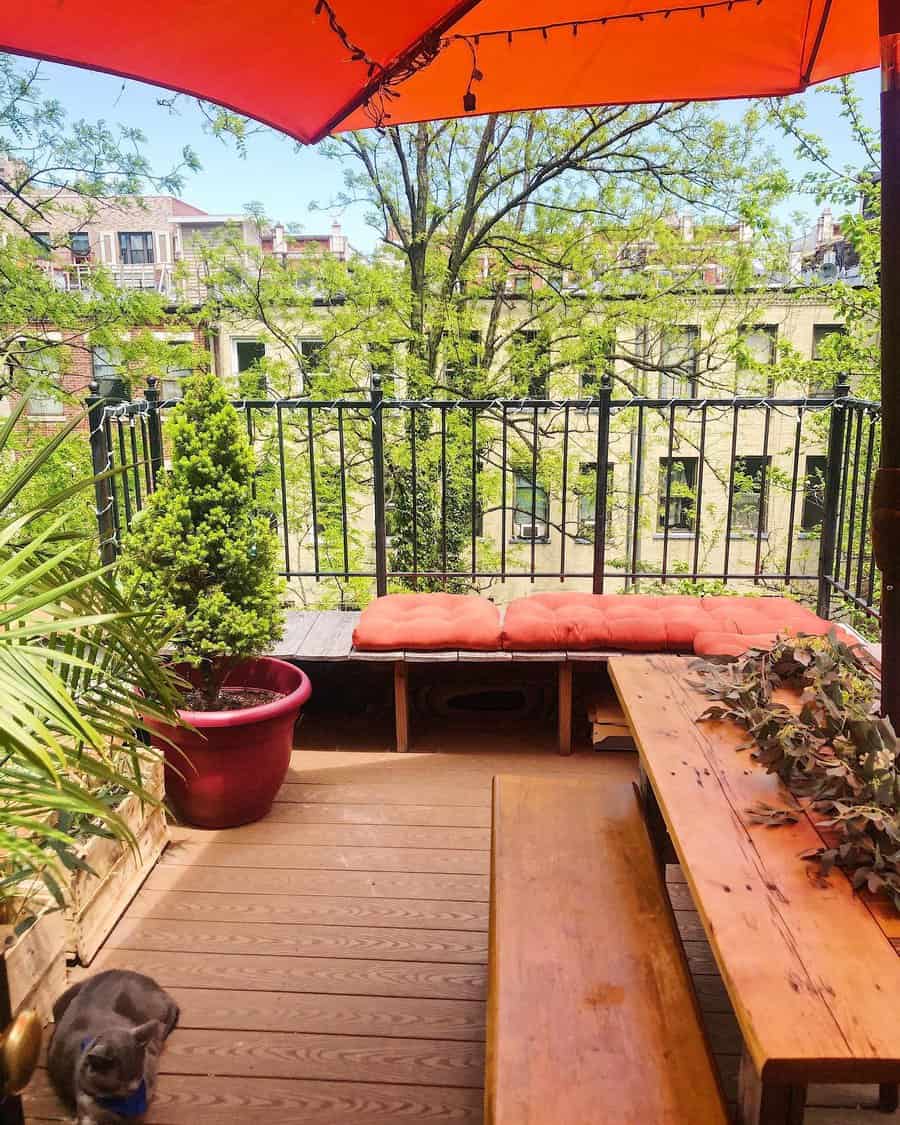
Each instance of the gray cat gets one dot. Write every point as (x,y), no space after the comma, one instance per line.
(108,1034)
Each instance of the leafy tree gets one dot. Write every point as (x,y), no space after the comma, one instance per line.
(199,553)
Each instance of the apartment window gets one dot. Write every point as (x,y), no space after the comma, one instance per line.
(531,360)
(106,364)
(247,357)
(464,355)
(749,510)
(678,480)
(531,498)
(822,333)
(44,244)
(171,386)
(44,397)
(813,514)
(312,353)
(586,486)
(80,245)
(679,359)
(521,284)
(248,353)
(759,341)
(136,248)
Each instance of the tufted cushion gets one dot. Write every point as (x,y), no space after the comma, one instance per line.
(731,644)
(428,622)
(646,623)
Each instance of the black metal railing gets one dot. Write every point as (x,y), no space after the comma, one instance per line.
(604,492)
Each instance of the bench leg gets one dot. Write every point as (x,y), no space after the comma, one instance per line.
(401,705)
(564,694)
(767,1103)
(888,1099)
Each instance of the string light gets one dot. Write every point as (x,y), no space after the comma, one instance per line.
(388,80)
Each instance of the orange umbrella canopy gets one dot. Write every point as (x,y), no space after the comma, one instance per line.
(311,67)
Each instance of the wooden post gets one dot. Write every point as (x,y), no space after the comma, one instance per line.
(762,1103)
(564,696)
(886,500)
(401,705)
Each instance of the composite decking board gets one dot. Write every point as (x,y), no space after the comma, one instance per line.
(365,884)
(294,910)
(198,1099)
(347,835)
(307,940)
(424,816)
(402,793)
(343,976)
(393,1017)
(341,1058)
(821,1003)
(294,857)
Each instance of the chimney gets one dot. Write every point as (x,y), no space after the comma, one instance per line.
(337,243)
(825,227)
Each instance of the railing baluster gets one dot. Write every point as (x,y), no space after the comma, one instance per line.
(638,488)
(342,462)
(670,448)
(565,496)
(854,486)
(698,495)
(444,491)
(474,490)
(731,467)
(792,513)
(534,487)
(415,497)
(279,419)
(504,451)
(763,497)
(310,437)
(864,518)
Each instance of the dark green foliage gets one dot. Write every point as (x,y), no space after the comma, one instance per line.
(837,752)
(200,552)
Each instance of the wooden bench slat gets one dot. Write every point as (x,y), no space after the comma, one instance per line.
(591,1017)
(813,980)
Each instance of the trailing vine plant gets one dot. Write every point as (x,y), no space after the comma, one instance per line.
(831,749)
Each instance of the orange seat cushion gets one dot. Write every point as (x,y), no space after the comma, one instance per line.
(646,623)
(428,622)
(732,644)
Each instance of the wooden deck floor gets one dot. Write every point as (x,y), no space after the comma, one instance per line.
(330,961)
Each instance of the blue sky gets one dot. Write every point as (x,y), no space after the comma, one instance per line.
(286,180)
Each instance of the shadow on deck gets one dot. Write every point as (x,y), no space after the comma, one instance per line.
(330,961)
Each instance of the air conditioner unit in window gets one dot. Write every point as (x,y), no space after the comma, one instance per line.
(531,530)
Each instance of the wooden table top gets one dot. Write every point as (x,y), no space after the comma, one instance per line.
(809,966)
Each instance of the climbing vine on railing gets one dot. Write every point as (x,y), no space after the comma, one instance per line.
(830,748)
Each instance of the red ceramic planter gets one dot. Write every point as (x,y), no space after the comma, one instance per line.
(228,769)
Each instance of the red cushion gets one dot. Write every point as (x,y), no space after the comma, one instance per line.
(428,622)
(646,622)
(731,644)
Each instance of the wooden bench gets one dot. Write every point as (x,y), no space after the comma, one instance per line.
(327,635)
(591,1017)
(809,966)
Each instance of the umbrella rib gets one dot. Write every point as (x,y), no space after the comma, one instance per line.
(806,74)
(401,62)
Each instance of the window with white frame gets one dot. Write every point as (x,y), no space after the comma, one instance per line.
(248,353)
(136,247)
(760,349)
(677,493)
(749,509)
(171,384)
(679,356)
(45,391)
(531,514)
(587,499)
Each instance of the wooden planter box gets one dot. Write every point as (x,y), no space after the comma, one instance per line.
(96,902)
(34,967)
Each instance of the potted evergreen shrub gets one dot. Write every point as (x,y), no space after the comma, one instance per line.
(204,559)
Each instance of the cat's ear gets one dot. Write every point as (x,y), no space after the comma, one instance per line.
(146,1032)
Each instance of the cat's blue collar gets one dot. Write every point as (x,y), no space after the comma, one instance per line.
(131,1105)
